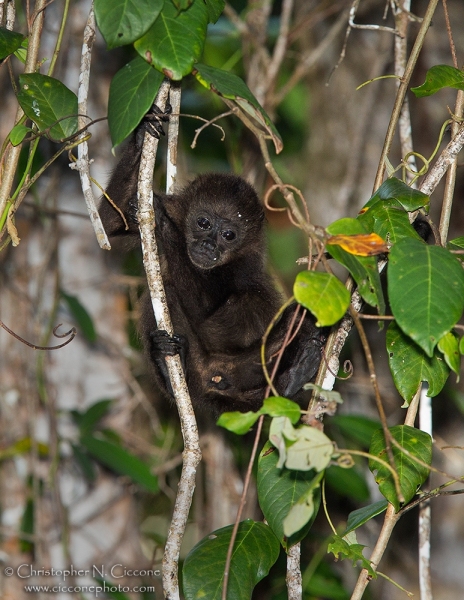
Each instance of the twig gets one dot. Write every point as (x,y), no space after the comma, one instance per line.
(447,157)
(353,10)
(310,60)
(378,398)
(82,163)
(72,333)
(207,123)
(246,484)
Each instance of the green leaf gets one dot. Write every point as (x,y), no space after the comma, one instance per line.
(237,422)
(27,526)
(233,88)
(449,347)
(18,133)
(281,434)
(10,41)
(439,77)
(87,420)
(132,92)
(276,406)
(85,463)
(215,8)
(456,244)
(175,40)
(49,103)
(304,510)
(124,21)
(311,449)
(119,460)
(352,551)
(426,291)
(358,517)
(279,490)
(388,219)
(83,319)
(394,189)
(409,365)
(410,473)
(363,268)
(23,446)
(323,294)
(256,549)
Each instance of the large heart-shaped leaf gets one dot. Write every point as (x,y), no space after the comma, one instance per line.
(256,549)
(411,474)
(132,92)
(410,365)
(175,40)
(426,291)
(124,21)
(49,103)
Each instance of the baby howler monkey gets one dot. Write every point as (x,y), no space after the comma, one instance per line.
(220,297)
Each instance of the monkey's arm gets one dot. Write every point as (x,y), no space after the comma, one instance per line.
(122,187)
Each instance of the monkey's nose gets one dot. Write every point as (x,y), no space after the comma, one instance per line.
(208,245)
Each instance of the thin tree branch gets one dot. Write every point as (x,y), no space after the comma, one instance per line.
(83,164)
(192,453)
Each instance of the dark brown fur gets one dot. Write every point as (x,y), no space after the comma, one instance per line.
(220,297)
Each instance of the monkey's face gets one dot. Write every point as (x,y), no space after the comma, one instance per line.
(211,239)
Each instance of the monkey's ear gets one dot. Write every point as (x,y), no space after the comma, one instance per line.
(172,206)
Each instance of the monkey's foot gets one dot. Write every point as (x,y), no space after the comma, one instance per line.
(166,345)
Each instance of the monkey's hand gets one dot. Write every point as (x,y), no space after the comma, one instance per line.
(152,123)
(162,345)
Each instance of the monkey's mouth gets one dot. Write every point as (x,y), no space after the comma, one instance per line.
(204,258)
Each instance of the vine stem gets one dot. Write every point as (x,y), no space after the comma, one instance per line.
(13,152)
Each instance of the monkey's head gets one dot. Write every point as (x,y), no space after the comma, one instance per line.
(223,221)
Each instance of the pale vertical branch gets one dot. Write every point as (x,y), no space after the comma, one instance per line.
(7,14)
(425,523)
(294,580)
(173,137)
(83,163)
(192,453)
(390,519)
(401,12)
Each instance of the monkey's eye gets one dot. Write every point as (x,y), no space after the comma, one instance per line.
(228,235)
(203,223)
